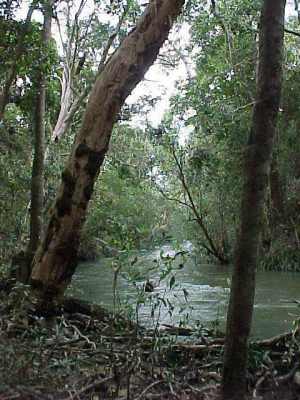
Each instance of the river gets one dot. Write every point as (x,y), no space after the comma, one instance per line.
(205,287)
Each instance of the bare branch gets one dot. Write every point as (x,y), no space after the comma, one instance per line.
(75,31)
(226,31)
(199,218)
(292,32)
(175,199)
(111,40)
(64,47)
(69,106)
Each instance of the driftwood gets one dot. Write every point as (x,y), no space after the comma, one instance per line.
(195,348)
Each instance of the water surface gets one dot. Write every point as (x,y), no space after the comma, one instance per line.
(206,287)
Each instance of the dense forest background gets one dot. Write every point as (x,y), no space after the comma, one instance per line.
(179,177)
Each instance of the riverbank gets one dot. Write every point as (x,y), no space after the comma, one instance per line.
(87,353)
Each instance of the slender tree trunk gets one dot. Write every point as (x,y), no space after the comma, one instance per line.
(12,73)
(257,165)
(22,262)
(37,178)
(56,258)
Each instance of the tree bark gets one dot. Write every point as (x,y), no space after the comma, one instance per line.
(37,178)
(56,258)
(257,165)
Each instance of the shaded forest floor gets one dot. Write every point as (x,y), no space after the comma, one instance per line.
(85,353)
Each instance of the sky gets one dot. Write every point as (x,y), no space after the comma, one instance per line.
(166,84)
(162,83)
(157,81)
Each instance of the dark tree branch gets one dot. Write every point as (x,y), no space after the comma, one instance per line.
(199,218)
(292,32)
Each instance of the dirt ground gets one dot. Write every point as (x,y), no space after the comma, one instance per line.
(83,352)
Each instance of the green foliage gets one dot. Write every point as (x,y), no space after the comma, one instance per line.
(15,164)
(16,127)
(283,257)
(124,207)
(11,37)
(214,104)
(156,291)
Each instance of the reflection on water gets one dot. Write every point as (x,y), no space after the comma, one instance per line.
(207,287)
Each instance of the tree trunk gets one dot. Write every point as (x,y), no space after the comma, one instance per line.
(56,258)
(37,178)
(65,102)
(22,262)
(257,165)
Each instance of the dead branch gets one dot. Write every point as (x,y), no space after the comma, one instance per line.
(147,389)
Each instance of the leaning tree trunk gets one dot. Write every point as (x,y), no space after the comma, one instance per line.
(257,165)
(37,178)
(56,258)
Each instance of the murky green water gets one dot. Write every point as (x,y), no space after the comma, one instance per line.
(207,287)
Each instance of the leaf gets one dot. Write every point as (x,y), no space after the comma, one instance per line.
(186,294)
(134,261)
(172,281)
(171,307)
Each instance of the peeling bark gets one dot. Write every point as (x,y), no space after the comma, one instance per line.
(56,258)
(257,166)
(63,123)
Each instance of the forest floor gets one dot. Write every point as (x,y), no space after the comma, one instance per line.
(86,353)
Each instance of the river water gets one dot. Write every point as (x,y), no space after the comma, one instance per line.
(199,292)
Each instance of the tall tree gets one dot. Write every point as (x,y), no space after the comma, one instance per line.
(37,178)
(56,258)
(257,165)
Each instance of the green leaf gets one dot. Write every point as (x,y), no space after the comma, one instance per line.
(172,281)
